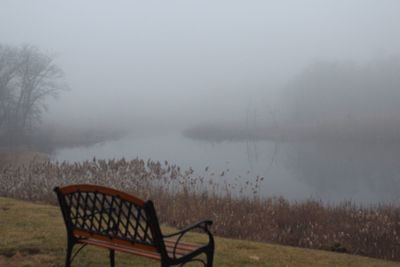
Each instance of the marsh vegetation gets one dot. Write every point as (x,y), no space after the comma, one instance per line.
(182,197)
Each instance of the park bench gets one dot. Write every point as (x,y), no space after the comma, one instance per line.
(117,221)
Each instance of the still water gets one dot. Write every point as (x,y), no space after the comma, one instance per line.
(331,172)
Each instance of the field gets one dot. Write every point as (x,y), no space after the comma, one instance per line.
(34,235)
(181,198)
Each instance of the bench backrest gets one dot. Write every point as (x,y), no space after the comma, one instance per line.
(109,214)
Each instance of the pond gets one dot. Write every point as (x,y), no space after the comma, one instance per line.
(332,172)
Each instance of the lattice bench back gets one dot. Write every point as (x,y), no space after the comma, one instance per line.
(91,210)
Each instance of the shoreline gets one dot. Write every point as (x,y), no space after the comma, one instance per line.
(18,157)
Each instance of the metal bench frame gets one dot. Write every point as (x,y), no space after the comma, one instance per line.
(108,218)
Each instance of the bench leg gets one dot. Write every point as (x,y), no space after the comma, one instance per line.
(210,258)
(112,258)
(68,256)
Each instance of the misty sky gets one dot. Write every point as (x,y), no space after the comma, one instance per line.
(188,61)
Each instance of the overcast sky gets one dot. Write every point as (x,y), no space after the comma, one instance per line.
(193,60)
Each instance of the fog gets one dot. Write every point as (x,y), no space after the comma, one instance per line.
(165,66)
(153,59)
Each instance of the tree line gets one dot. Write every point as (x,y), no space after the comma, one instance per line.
(28,77)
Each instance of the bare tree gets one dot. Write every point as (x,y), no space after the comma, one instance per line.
(8,72)
(27,78)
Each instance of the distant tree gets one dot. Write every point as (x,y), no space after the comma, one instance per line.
(8,69)
(344,91)
(27,78)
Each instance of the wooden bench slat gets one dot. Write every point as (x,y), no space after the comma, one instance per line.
(80,234)
(106,190)
(180,251)
(111,219)
(126,249)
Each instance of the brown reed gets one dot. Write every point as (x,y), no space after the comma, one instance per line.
(182,198)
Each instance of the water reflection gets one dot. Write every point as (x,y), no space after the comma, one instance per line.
(361,172)
(332,172)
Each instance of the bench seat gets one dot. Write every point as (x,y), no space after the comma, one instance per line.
(114,220)
(182,248)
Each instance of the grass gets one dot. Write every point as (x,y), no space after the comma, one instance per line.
(33,234)
(181,197)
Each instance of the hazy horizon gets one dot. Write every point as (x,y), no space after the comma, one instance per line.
(183,62)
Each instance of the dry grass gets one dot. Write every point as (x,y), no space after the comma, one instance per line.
(182,198)
(34,235)
(19,157)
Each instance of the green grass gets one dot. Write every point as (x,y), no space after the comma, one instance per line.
(34,235)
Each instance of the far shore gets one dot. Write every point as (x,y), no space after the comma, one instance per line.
(18,157)
(363,131)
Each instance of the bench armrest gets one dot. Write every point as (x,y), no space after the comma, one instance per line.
(204,225)
(201,224)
